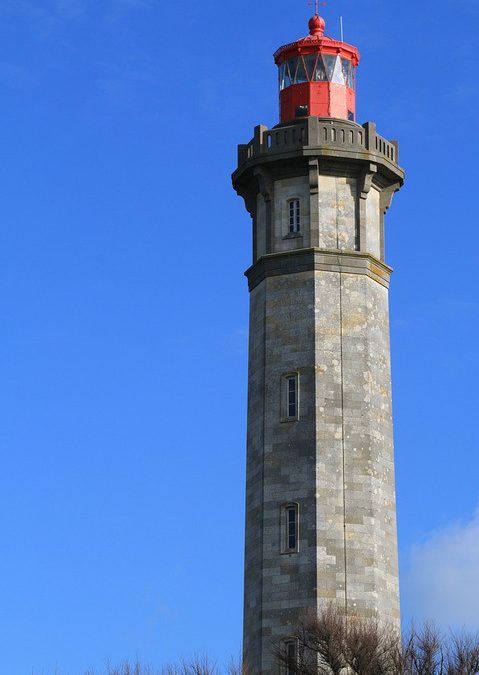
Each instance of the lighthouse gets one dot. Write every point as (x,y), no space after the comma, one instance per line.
(320,493)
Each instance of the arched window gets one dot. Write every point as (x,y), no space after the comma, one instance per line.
(294,216)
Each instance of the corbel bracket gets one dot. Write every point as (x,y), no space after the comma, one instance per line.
(266,189)
(387,196)
(265,184)
(250,202)
(313,177)
(366,180)
(313,202)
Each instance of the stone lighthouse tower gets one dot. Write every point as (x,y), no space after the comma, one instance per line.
(320,498)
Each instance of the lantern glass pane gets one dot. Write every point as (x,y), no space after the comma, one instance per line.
(287,76)
(320,71)
(329,62)
(281,76)
(352,77)
(346,67)
(293,66)
(338,77)
(301,72)
(310,62)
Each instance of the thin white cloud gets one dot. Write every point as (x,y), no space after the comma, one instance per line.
(442,580)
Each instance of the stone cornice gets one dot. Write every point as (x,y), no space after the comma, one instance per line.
(307,259)
(330,140)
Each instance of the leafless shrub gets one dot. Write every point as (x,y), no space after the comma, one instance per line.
(201,665)
(430,652)
(424,652)
(198,665)
(237,667)
(328,644)
(331,644)
(127,668)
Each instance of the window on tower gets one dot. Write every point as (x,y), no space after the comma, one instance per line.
(290,397)
(290,657)
(294,216)
(290,528)
(301,111)
(292,404)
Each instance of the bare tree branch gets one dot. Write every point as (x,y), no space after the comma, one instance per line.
(330,644)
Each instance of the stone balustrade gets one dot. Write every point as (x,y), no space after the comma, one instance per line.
(320,136)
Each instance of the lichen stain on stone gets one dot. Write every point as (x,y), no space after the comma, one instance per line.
(379,271)
(328,330)
(354,321)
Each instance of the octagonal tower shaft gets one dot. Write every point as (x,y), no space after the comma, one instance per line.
(320,494)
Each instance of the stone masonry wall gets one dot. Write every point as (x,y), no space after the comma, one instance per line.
(373,223)
(371,556)
(252,640)
(336,226)
(336,461)
(319,309)
(284,190)
(337,207)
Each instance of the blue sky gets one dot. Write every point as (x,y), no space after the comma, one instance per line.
(123,360)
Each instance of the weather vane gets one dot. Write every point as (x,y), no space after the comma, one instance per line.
(316,4)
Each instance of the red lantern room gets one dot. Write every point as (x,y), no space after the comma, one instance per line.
(317,76)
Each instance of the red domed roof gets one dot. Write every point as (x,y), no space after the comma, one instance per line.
(316,25)
(316,41)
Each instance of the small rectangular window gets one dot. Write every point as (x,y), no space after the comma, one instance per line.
(292,528)
(301,111)
(289,526)
(291,657)
(294,212)
(290,398)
